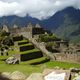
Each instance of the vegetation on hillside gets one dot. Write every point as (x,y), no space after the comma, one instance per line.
(48,37)
(69,30)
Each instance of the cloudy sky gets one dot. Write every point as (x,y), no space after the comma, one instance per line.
(35,8)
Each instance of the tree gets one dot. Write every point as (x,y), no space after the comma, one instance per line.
(8,41)
(48,37)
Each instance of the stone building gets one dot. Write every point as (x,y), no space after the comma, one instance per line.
(15,30)
(5,28)
(29,30)
(68,54)
(34,31)
(62,43)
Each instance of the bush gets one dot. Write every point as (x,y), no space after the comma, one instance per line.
(8,41)
(48,38)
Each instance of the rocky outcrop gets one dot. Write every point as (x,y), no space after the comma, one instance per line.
(6,75)
(12,60)
(35,76)
(17,76)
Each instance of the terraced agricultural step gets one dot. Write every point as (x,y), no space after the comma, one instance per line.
(10,53)
(26,44)
(23,42)
(17,38)
(37,61)
(31,54)
(30,51)
(2,58)
(26,47)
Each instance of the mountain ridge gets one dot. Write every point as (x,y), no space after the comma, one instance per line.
(64,23)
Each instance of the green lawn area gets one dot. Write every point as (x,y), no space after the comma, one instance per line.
(65,65)
(10,54)
(22,41)
(3,57)
(28,44)
(30,51)
(28,69)
(23,67)
(36,60)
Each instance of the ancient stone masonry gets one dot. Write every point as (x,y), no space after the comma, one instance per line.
(5,28)
(34,31)
(29,30)
(69,54)
(15,30)
(67,57)
(66,52)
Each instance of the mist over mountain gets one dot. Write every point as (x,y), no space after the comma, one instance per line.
(64,23)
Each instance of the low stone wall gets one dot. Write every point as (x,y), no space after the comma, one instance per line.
(18,38)
(67,57)
(29,56)
(25,48)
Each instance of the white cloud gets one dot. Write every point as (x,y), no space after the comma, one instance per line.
(35,8)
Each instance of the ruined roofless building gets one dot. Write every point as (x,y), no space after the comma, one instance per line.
(34,31)
(15,30)
(5,28)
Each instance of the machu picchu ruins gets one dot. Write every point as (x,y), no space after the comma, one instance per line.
(34,45)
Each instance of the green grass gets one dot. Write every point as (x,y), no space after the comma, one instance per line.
(30,51)
(28,44)
(36,60)
(22,41)
(28,69)
(65,65)
(3,57)
(12,52)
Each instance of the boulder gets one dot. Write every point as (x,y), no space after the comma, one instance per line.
(6,74)
(12,60)
(17,76)
(49,74)
(35,76)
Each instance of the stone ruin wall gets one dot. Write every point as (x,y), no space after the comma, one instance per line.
(75,58)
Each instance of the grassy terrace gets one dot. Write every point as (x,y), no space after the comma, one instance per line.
(25,66)
(38,60)
(23,41)
(3,57)
(30,51)
(28,69)
(10,53)
(65,65)
(29,44)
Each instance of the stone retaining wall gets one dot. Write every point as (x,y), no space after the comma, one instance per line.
(67,57)
(29,56)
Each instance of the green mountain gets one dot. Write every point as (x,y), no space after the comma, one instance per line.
(69,30)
